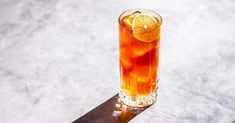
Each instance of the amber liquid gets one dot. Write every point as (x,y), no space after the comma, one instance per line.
(138,63)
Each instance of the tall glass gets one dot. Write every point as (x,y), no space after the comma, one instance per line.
(139,38)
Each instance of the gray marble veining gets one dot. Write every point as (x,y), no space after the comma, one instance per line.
(59,59)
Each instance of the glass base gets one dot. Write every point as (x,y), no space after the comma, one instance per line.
(139,101)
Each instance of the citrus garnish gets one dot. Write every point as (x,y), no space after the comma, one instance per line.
(144,27)
(129,19)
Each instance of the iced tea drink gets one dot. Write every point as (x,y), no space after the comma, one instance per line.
(139,38)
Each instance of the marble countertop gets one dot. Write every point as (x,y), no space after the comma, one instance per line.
(59,59)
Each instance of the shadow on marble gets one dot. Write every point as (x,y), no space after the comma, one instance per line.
(111,111)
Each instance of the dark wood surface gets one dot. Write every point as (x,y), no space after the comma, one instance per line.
(111,111)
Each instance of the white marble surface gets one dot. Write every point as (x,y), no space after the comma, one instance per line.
(59,59)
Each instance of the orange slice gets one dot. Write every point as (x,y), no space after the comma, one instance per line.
(144,27)
(129,19)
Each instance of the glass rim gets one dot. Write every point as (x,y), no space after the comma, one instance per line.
(148,10)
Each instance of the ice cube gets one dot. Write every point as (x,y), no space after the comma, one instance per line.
(145,79)
(125,59)
(129,19)
(140,48)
